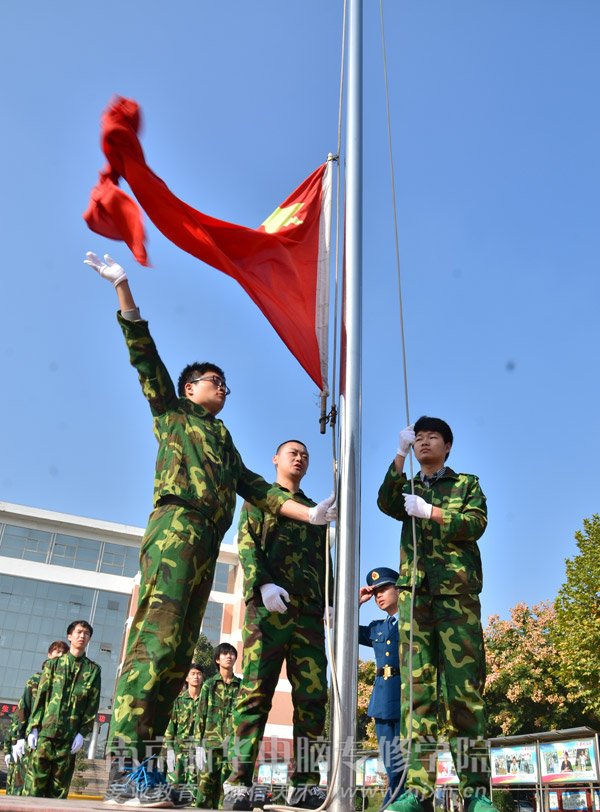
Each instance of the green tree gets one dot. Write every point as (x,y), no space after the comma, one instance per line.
(366,737)
(203,655)
(525,689)
(577,629)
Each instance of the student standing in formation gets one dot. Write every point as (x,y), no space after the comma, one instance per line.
(450,515)
(63,714)
(215,725)
(382,637)
(21,719)
(198,473)
(179,741)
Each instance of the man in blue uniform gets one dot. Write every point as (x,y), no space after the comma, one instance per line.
(382,637)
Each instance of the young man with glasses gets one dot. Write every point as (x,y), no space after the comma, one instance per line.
(198,473)
(450,515)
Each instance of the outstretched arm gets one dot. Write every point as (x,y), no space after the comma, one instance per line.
(113,272)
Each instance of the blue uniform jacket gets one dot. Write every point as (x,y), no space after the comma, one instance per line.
(382,636)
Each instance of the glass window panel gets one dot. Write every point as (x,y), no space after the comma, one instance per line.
(25,542)
(72,551)
(212,622)
(120,559)
(224,577)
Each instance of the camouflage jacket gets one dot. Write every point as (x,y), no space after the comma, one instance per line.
(25,706)
(197,461)
(449,556)
(215,715)
(291,554)
(183,721)
(67,698)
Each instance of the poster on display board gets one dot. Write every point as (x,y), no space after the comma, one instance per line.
(569,761)
(514,765)
(574,800)
(446,774)
(597,800)
(374,772)
(553,801)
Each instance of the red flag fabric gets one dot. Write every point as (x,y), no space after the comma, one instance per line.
(283,264)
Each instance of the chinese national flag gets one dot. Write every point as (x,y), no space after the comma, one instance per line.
(283,264)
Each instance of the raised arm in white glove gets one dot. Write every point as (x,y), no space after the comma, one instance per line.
(200,759)
(77,743)
(407,439)
(32,738)
(324,512)
(109,269)
(272,597)
(171,760)
(416,506)
(18,750)
(7,759)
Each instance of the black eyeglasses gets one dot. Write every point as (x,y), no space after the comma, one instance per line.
(219,383)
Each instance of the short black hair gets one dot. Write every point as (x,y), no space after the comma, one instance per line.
(285,442)
(83,623)
(435,424)
(196,667)
(196,370)
(58,644)
(224,648)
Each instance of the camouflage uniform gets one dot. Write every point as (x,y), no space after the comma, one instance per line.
(292,555)
(180,737)
(65,704)
(7,743)
(198,472)
(214,729)
(21,718)
(447,631)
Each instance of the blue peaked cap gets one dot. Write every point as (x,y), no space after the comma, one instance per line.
(381,576)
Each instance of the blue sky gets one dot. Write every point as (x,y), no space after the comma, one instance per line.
(496,132)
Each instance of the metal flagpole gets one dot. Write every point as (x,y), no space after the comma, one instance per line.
(343,727)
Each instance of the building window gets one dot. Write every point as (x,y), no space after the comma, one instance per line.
(213,621)
(25,542)
(71,551)
(224,577)
(120,559)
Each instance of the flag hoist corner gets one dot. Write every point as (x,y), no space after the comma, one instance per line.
(283,265)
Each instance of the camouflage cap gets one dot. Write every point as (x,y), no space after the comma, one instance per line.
(381,576)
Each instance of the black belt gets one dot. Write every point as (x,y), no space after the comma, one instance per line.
(387,671)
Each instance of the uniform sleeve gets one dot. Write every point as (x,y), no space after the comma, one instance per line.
(202,712)
(364,636)
(468,520)
(91,706)
(171,731)
(155,381)
(389,499)
(42,696)
(256,490)
(23,711)
(250,548)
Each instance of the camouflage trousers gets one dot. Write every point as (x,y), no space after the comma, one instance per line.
(448,651)
(177,562)
(49,769)
(12,772)
(211,779)
(270,638)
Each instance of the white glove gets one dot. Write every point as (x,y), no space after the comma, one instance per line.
(77,743)
(109,269)
(407,439)
(272,597)
(417,506)
(328,616)
(324,512)
(32,738)
(18,750)
(200,759)
(171,760)
(8,760)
